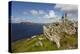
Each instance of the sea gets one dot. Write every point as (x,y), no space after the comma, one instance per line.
(24,30)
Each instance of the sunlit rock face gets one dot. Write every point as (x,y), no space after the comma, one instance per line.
(69,27)
(54,31)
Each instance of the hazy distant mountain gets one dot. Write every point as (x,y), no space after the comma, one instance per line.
(31,23)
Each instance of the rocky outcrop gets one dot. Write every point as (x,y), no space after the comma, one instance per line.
(54,31)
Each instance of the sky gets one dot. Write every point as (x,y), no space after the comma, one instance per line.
(41,12)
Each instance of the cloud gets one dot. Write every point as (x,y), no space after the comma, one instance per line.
(34,12)
(67,7)
(73,16)
(15,20)
(42,16)
(41,12)
(51,17)
(71,10)
(19,20)
(51,14)
(37,12)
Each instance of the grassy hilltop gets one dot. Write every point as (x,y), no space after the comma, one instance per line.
(41,43)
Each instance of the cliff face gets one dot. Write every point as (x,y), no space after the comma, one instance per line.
(55,31)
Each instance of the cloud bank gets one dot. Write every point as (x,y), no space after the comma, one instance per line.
(67,7)
(50,14)
(41,15)
(71,10)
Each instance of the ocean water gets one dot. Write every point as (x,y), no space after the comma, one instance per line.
(21,31)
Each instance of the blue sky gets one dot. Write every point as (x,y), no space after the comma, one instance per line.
(34,12)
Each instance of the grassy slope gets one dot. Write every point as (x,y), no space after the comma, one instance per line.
(30,45)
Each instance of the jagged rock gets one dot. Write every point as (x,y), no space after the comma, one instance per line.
(53,31)
(52,36)
(69,27)
(39,43)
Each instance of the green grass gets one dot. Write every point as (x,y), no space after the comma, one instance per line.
(24,45)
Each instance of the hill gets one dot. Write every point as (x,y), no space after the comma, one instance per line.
(41,43)
(46,41)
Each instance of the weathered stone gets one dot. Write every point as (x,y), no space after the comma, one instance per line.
(39,43)
(53,31)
